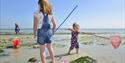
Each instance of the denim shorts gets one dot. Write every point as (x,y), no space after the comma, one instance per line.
(44,37)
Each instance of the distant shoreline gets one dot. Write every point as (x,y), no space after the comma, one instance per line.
(58,33)
(59,29)
(29,31)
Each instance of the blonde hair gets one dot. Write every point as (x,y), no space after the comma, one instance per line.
(45,7)
(76,26)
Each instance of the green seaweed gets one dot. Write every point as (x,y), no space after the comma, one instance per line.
(85,59)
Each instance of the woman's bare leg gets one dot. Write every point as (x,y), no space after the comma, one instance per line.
(42,53)
(50,49)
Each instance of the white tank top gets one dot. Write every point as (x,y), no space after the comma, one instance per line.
(39,16)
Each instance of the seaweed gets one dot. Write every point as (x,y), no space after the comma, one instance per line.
(85,59)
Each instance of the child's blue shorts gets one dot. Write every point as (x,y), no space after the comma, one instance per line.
(44,37)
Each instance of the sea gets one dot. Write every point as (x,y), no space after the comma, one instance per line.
(64,30)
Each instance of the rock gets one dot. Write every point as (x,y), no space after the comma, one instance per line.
(1,50)
(35,46)
(32,60)
(4,54)
(9,46)
(85,59)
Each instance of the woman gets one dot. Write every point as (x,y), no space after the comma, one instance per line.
(44,25)
(17,28)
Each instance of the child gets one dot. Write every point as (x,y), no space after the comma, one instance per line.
(45,25)
(74,43)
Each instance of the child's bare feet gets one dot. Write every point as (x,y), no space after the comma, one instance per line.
(77,53)
(68,53)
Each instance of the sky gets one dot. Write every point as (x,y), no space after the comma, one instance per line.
(89,13)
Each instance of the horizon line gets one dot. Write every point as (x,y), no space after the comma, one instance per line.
(60,28)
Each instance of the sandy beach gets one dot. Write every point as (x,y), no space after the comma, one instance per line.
(97,48)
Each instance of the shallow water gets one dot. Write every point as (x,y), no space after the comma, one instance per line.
(103,54)
(61,43)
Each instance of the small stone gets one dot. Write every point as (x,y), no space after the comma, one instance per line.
(35,46)
(9,46)
(1,50)
(32,60)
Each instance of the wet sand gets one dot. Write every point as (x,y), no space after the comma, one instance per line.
(97,48)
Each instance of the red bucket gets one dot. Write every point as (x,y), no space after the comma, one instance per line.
(16,42)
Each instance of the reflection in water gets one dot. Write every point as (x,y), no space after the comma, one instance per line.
(20,55)
(16,53)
